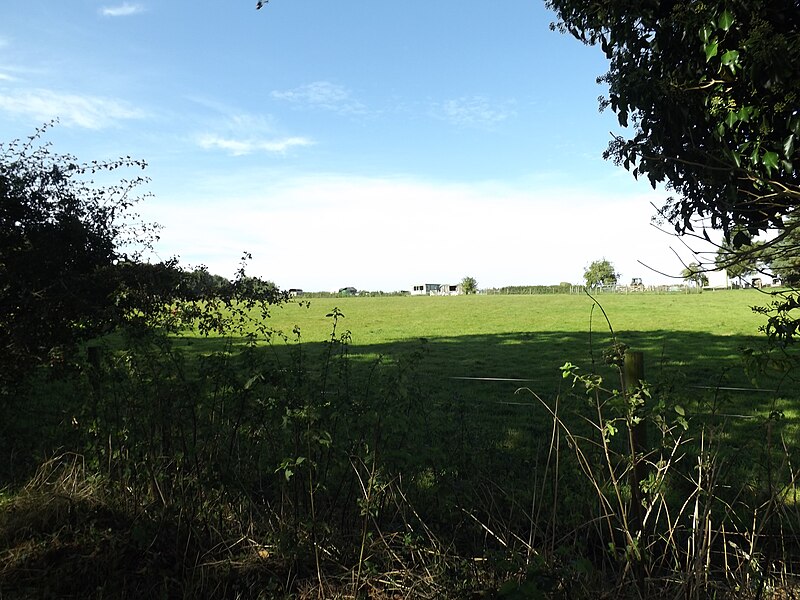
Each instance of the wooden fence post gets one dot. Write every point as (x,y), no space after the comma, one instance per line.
(632,376)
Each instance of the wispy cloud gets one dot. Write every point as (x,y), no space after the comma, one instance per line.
(242,133)
(324,95)
(90,112)
(123,10)
(474,111)
(241,147)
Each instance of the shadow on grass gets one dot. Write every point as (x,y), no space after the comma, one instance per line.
(694,361)
(483,382)
(440,418)
(469,392)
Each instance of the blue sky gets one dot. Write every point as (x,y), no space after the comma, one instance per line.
(372,144)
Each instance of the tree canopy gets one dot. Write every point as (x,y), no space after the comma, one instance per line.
(60,239)
(710,94)
(693,273)
(469,285)
(710,91)
(783,257)
(600,272)
(739,262)
(70,266)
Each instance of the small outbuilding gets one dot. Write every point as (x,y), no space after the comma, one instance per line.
(717,280)
(450,289)
(425,289)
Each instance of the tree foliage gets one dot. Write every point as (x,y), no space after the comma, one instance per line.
(694,273)
(739,262)
(61,237)
(600,272)
(70,266)
(710,91)
(469,285)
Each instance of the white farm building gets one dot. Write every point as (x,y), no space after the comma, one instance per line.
(425,289)
(436,289)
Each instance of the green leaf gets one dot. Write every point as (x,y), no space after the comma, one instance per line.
(770,160)
(745,113)
(788,146)
(679,410)
(741,239)
(725,20)
(712,48)
(731,119)
(794,124)
(731,57)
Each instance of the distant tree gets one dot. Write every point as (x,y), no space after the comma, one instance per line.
(200,281)
(600,272)
(694,273)
(469,285)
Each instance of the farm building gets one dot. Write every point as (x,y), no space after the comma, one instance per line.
(717,279)
(448,289)
(721,280)
(425,289)
(436,289)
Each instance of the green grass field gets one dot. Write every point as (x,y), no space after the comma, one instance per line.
(472,355)
(696,336)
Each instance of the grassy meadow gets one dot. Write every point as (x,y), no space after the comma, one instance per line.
(696,337)
(475,354)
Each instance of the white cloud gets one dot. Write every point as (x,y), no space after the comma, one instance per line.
(90,112)
(241,147)
(243,133)
(388,233)
(474,111)
(123,10)
(324,95)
